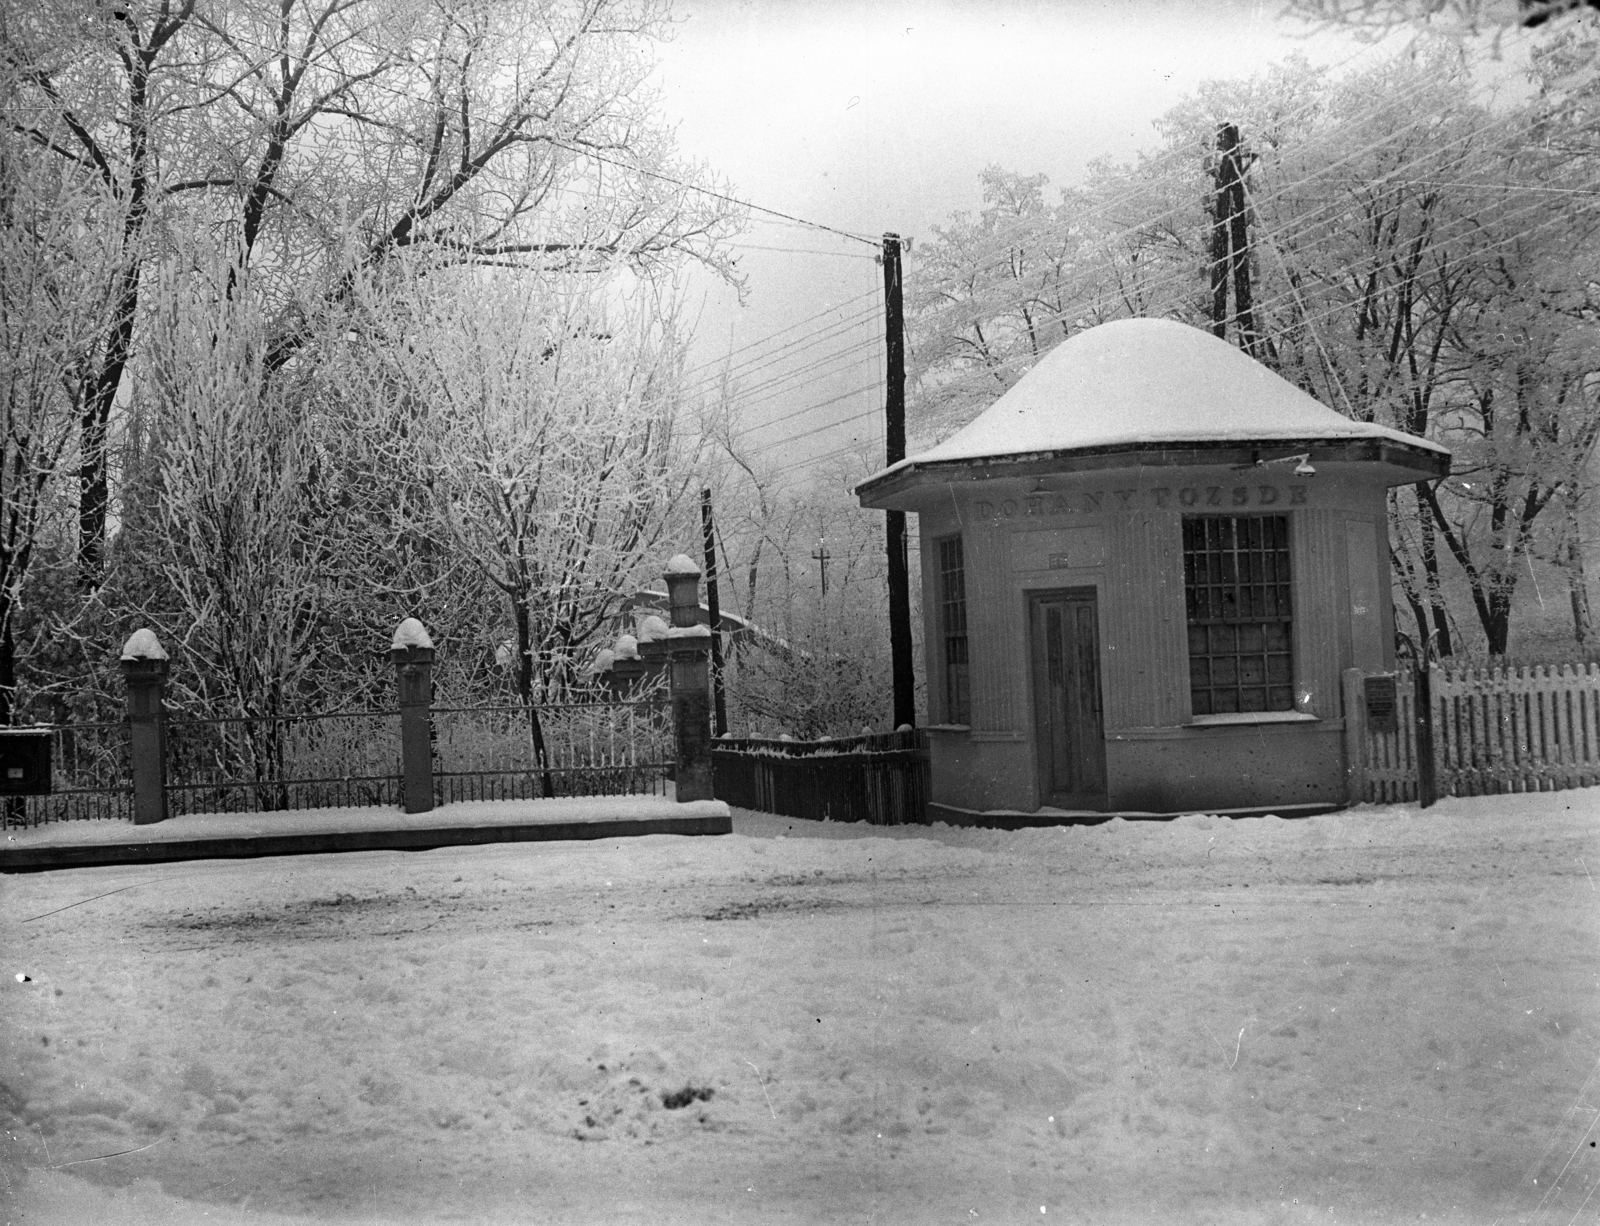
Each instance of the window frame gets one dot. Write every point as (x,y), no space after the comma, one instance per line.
(955,670)
(1239,615)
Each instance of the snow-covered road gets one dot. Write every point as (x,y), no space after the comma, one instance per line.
(1366,1016)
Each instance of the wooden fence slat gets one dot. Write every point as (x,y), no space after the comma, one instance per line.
(1505,728)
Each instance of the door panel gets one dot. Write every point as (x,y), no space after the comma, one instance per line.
(1068,724)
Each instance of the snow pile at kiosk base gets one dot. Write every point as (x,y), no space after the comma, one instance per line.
(1363,1017)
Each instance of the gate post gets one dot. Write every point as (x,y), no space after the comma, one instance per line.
(144,670)
(689,645)
(412,653)
(1355,736)
(1427,778)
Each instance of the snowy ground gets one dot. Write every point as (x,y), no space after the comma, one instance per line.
(1367,1017)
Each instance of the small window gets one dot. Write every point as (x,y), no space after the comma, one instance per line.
(1236,586)
(953,631)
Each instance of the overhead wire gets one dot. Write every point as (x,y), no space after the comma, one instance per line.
(1143,188)
(235,42)
(1304,318)
(787,328)
(1181,160)
(1302,224)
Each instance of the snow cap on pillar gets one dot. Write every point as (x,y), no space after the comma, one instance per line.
(682,564)
(411,633)
(142,644)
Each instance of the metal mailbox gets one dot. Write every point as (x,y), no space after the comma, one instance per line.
(24,762)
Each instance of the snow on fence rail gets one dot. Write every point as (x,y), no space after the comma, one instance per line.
(1530,728)
(882,778)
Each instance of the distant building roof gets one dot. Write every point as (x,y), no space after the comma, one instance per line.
(1138,384)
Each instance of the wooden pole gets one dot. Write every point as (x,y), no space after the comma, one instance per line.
(1221,206)
(894,409)
(718,701)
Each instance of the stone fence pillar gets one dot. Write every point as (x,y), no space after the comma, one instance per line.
(144,670)
(412,653)
(689,646)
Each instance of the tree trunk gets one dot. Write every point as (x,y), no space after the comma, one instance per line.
(1443,647)
(519,607)
(1577,579)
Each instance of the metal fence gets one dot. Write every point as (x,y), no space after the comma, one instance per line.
(881,779)
(90,778)
(1531,728)
(276,762)
(561,749)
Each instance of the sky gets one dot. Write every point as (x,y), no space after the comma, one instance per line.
(876,117)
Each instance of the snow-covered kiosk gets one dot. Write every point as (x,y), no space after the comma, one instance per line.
(1144,569)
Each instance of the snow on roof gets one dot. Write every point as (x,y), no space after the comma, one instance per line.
(411,633)
(1136,382)
(142,644)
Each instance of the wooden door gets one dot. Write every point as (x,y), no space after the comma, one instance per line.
(1068,727)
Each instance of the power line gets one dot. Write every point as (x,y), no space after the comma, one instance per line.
(788,328)
(236,42)
(845,255)
(706,191)
(1296,227)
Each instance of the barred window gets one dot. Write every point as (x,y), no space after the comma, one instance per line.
(953,630)
(1236,586)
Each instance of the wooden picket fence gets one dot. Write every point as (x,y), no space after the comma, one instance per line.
(1531,728)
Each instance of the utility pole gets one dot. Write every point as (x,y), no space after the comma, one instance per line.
(1230,246)
(894,411)
(719,703)
(1222,204)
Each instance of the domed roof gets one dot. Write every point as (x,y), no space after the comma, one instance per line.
(1143,382)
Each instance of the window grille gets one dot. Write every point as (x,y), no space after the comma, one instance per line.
(1237,588)
(953,629)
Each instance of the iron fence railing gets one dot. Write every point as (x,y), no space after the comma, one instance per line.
(90,778)
(276,762)
(515,752)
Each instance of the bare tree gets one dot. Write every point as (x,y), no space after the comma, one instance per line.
(53,265)
(315,139)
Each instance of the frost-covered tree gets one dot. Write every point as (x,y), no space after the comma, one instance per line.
(53,265)
(1420,258)
(534,421)
(312,140)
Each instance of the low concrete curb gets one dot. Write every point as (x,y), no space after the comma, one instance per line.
(136,851)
